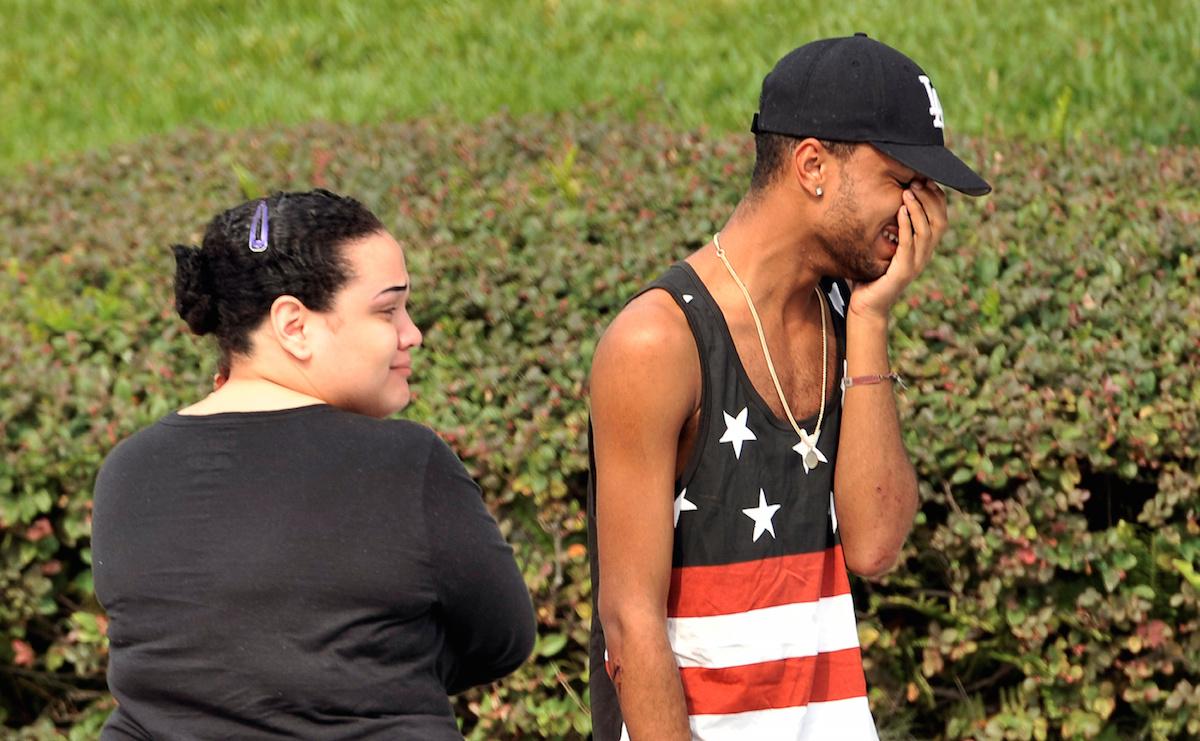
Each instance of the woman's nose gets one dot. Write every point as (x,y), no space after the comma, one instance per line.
(410,336)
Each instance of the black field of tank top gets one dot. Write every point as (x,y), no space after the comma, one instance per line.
(760,616)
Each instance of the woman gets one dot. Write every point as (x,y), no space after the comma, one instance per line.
(277,560)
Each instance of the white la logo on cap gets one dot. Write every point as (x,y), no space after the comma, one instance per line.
(935,105)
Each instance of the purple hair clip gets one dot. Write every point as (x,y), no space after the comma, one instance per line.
(259,229)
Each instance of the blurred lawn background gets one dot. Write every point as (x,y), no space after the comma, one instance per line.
(82,75)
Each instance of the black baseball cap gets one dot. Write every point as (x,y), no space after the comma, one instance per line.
(855,89)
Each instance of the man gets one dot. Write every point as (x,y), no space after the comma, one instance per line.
(746,446)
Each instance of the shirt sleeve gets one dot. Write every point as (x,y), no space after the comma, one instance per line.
(482,596)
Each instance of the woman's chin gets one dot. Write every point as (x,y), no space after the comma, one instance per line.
(397,400)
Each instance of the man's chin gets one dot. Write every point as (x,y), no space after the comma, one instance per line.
(861,274)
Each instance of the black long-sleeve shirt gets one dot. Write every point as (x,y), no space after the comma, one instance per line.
(304,573)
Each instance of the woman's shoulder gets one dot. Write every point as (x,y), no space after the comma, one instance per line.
(389,429)
(135,445)
(418,442)
(133,455)
(176,431)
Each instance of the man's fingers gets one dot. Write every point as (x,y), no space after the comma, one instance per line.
(905,230)
(920,222)
(922,237)
(905,257)
(924,233)
(933,202)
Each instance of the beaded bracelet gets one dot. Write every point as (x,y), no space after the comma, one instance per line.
(870,380)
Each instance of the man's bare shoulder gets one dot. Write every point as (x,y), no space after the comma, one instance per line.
(651,330)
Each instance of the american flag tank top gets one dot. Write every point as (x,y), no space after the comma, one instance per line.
(760,616)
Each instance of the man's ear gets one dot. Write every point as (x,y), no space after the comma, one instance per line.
(809,166)
(293,325)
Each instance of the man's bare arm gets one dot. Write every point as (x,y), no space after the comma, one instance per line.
(875,487)
(645,383)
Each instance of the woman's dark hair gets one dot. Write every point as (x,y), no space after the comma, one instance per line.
(225,288)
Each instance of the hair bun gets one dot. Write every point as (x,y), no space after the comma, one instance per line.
(194,299)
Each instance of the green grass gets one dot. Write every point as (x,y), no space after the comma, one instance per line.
(81,75)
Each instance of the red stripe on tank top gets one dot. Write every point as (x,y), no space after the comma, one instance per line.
(702,591)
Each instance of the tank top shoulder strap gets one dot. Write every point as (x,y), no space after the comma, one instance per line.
(717,356)
(703,317)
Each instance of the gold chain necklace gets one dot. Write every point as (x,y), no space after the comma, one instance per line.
(807,447)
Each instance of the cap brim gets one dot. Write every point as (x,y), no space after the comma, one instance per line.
(938,164)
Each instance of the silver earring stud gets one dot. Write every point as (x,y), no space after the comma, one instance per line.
(820,192)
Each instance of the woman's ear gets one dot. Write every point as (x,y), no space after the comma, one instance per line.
(293,326)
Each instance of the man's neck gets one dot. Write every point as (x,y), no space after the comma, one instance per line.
(776,257)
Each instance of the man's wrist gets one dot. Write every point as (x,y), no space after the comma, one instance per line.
(866,344)
(867,320)
(872,379)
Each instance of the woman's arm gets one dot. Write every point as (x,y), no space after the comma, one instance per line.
(489,620)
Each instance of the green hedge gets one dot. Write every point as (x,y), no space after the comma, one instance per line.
(1051,588)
